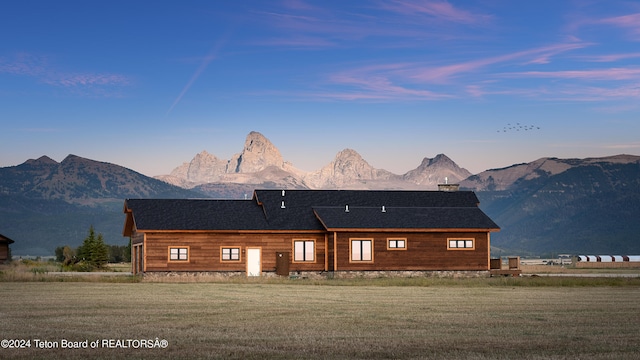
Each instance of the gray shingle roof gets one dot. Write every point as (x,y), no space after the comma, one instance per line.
(184,214)
(314,210)
(404,218)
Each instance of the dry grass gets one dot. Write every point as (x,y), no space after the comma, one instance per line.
(557,269)
(28,270)
(262,319)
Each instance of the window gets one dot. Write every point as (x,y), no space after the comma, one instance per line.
(178,253)
(397,244)
(230,254)
(461,244)
(304,250)
(361,250)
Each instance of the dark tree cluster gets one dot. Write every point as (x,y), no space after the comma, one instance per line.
(92,254)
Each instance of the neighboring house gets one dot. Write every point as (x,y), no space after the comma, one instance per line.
(311,231)
(4,248)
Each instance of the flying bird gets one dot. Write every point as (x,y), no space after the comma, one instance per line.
(518,127)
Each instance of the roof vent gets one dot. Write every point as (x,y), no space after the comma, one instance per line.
(346,208)
(282,205)
(384,209)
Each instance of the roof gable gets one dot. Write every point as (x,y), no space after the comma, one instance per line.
(4,239)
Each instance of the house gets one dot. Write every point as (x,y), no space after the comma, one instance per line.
(5,253)
(286,231)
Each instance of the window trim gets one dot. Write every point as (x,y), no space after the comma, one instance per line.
(473,244)
(389,247)
(351,260)
(304,241)
(239,259)
(169,248)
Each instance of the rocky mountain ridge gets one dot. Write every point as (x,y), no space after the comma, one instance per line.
(45,204)
(261,164)
(564,205)
(505,178)
(80,181)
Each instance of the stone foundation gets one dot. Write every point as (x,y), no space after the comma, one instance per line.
(409,274)
(203,276)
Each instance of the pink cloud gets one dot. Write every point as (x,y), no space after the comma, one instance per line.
(630,22)
(298,5)
(410,80)
(475,90)
(612,57)
(444,74)
(437,9)
(382,82)
(398,20)
(596,74)
(299,41)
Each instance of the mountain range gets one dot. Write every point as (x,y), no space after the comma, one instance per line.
(45,204)
(547,206)
(260,165)
(564,205)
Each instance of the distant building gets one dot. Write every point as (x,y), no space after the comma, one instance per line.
(5,253)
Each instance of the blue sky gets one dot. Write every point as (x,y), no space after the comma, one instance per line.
(490,83)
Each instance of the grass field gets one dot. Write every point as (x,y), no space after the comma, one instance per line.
(474,319)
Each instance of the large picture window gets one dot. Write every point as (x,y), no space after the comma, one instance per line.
(361,250)
(178,254)
(304,250)
(230,254)
(461,244)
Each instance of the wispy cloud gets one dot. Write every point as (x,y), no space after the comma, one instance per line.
(611,57)
(444,74)
(383,82)
(38,67)
(425,81)
(299,41)
(212,55)
(24,64)
(87,79)
(441,10)
(629,22)
(207,60)
(594,74)
(321,27)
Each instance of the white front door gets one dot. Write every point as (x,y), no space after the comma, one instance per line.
(254,261)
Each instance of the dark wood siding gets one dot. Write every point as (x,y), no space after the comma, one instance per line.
(4,251)
(137,238)
(424,251)
(204,251)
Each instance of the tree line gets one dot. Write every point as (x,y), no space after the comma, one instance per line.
(93,254)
